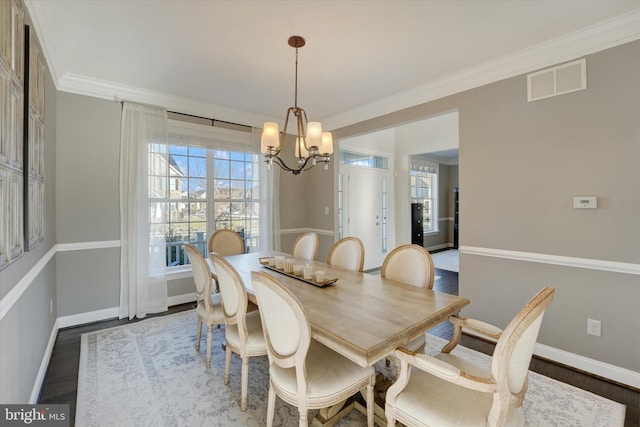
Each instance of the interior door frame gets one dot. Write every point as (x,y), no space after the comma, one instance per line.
(390,175)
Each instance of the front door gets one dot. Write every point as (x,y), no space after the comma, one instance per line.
(363,215)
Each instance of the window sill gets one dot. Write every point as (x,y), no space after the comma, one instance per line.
(181,272)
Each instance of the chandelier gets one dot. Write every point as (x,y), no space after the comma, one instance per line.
(312,145)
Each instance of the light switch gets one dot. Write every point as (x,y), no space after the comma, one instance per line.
(585,202)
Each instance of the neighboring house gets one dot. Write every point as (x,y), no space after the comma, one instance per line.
(521,164)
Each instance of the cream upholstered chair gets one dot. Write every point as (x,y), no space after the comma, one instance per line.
(306,246)
(347,253)
(447,390)
(209,307)
(411,264)
(243,330)
(303,372)
(226,242)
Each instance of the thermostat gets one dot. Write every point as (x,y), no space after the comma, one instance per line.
(585,202)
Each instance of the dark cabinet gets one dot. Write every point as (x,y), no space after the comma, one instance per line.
(417,226)
(456,210)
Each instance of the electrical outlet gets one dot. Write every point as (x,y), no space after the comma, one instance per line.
(594,327)
(51,306)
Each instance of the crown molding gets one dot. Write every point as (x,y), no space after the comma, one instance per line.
(82,85)
(46,36)
(610,33)
(613,32)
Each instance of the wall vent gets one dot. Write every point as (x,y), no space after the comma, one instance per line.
(558,80)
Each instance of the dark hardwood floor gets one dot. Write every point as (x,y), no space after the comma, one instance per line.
(60,384)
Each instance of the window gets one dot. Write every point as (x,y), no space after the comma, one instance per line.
(209,188)
(424,189)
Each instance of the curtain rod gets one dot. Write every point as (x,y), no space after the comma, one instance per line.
(120,100)
(208,118)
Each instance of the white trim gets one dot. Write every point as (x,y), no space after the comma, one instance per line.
(440,246)
(7,302)
(592,366)
(595,38)
(182,299)
(89,86)
(44,364)
(305,230)
(591,264)
(113,312)
(604,35)
(80,246)
(88,317)
(605,370)
(179,272)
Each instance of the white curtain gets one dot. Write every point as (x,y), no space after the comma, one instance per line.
(143,195)
(269,201)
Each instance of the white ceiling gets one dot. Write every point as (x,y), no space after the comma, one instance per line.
(230,60)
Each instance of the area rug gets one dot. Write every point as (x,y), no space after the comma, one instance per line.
(148,373)
(446,260)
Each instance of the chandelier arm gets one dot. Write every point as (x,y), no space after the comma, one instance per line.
(300,115)
(283,135)
(295,171)
(306,122)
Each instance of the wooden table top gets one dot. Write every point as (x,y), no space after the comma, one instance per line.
(362,316)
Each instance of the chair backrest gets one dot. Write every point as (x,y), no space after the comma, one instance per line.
(284,323)
(410,264)
(233,294)
(201,275)
(306,246)
(347,253)
(226,242)
(513,352)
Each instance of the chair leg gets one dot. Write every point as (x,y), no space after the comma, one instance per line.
(209,342)
(244,383)
(227,364)
(271,406)
(198,335)
(370,402)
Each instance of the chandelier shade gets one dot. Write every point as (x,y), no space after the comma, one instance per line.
(312,145)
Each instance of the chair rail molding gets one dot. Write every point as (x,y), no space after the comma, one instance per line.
(591,264)
(306,230)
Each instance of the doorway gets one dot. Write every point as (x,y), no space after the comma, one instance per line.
(365,214)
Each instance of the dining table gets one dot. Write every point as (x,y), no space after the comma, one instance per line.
(362,316)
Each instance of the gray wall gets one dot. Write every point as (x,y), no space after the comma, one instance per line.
(26,328)
(303,199)
(520,165)
(88,208)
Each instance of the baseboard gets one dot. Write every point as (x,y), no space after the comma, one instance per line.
(44,364)
(182,299)
(441,246)
(114,312)
(88,317)
(585,364)
(601,369)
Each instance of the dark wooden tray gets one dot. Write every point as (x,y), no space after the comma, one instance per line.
(327,280)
